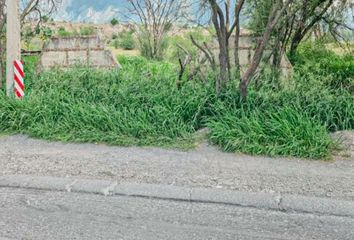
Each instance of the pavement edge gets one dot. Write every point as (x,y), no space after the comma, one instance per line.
(285,203)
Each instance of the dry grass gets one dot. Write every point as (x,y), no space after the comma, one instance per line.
(344,49)
(122,52)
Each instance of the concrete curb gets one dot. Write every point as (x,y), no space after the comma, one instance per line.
(286,203)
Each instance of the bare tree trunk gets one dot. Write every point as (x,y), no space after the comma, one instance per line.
(224,65)
(1,73)
(2,62)
(237,37)
(218,20)
(295,43)
(274,17)
(2,57)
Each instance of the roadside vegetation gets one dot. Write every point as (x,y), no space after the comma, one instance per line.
(142,105)
(188,79)
(295,121)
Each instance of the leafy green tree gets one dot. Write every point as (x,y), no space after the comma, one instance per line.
(114,22)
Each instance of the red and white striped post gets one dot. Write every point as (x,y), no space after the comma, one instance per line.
(19,76)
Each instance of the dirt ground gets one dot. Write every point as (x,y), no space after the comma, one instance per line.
(205,166)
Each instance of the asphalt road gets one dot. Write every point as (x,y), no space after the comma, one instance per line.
(35,214)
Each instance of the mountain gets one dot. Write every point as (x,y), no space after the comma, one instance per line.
(95,11)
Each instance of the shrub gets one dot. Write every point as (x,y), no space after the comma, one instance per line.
(87,31)
(63,33)
(126,40)
(150,48)
(334,70)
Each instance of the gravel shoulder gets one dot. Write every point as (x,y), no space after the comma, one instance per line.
(202,167)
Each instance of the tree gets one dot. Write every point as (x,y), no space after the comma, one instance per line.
(303,18)
(221,20)
(311,12)
(225,19)
(277,25)
(114,22)
(154,19)
(277,11)
(225,27)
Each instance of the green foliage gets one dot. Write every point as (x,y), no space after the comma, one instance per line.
(63,33)
(125,41)
(334,71)
(84,31)
(45,19)
(47,33)
(141,105)
(272,132)
(150,47)
(258,13)
(289,122)
(27,35)
(174,52)
(37,30)
(114,22)
(292,122)
(87,31)
(138,105)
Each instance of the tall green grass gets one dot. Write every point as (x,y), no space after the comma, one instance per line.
(141,105)
(272,132)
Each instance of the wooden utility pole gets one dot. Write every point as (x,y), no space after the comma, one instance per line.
(13,42)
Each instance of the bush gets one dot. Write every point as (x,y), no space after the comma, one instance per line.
(174,51)
(151,49)
(63,33)
(87,31)
(126,40)
(334,70)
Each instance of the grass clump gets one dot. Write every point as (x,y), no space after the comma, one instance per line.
(139,105)
(125,41)
(281,132)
